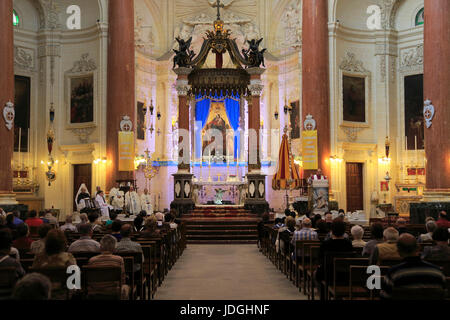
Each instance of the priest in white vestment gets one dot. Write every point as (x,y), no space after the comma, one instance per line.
(118,201)
(146,202)
(132,201)
(104,207)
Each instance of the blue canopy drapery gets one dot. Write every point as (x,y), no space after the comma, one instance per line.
(202,109)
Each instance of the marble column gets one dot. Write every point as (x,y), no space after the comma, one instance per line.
(183,88)
(121,83)
(254,119)
(6,95)
(437,90)
(315,76)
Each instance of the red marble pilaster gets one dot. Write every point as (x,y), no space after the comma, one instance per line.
(121,82)
(6,95)
(437,89)
(315,75)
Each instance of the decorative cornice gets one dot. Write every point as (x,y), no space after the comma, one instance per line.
(24,58)
(351,64)
(412,58)
(83,65)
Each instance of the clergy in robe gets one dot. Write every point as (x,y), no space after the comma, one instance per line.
(118,200)
(146,202)
(104,207)
(82,194)
(132,201)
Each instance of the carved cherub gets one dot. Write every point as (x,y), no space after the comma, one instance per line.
(253,55)
(183,55)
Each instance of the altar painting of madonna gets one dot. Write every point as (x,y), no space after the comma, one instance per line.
(218,120)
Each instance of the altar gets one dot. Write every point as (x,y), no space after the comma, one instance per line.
(232,192)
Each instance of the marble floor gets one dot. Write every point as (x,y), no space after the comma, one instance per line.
(226,272)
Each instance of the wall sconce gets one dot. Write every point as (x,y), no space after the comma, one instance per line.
(276,115)
(287,108)
(101,160)
(336,159)
(50,174)
(52,113)
(158,115)
(262,124)
(151,107)
(151,129)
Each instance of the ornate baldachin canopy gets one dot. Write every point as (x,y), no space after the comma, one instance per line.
(217,80)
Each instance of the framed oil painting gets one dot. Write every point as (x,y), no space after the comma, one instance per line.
(414,122)
(354,98)
(81,99)
(140,130)
(295,120)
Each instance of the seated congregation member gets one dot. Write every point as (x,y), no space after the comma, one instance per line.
(443,221)
(386,250)
(23,241)
(151,228)
(5,250)
(85,243)
(126,245)
(401,226)
(305,233)
(170,221)
(138,224)
(278,224)
(68,226)
(430,226)
(38,246)
(42,217)
(94,222)
(159,216)
(54,254)
(84,220)
(328,220)
(51,218)
(107,259)
(33,286)
(112,217)
(115,229)
(412,273)
(33,220)
(284,234)
(357,235)
(10,222)
(17,221)
(440,251)
(346,236)
(376,230)
(315,219)
(321,228)
(337,243)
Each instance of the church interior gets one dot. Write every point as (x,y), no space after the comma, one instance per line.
(256,132)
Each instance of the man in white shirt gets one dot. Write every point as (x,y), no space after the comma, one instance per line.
(146,202)
(132,201)
(68,225)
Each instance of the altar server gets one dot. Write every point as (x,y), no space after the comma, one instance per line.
(132,201)
(146,202)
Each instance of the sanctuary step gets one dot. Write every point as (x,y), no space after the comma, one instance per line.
(221,225)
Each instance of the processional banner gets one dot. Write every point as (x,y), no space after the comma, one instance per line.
(126,151)
(310,156)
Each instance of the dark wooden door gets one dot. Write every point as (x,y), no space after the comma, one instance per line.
(82,173)
(355,192)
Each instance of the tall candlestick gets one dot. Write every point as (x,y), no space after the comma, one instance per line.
(29,149)
(415,148)
(20,144)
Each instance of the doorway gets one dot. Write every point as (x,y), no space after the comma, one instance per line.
(82,173)
(355,186)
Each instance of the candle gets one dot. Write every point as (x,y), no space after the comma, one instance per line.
(29,150)
(417,151)
(20,143)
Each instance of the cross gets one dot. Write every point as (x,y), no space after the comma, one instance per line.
(218,5)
